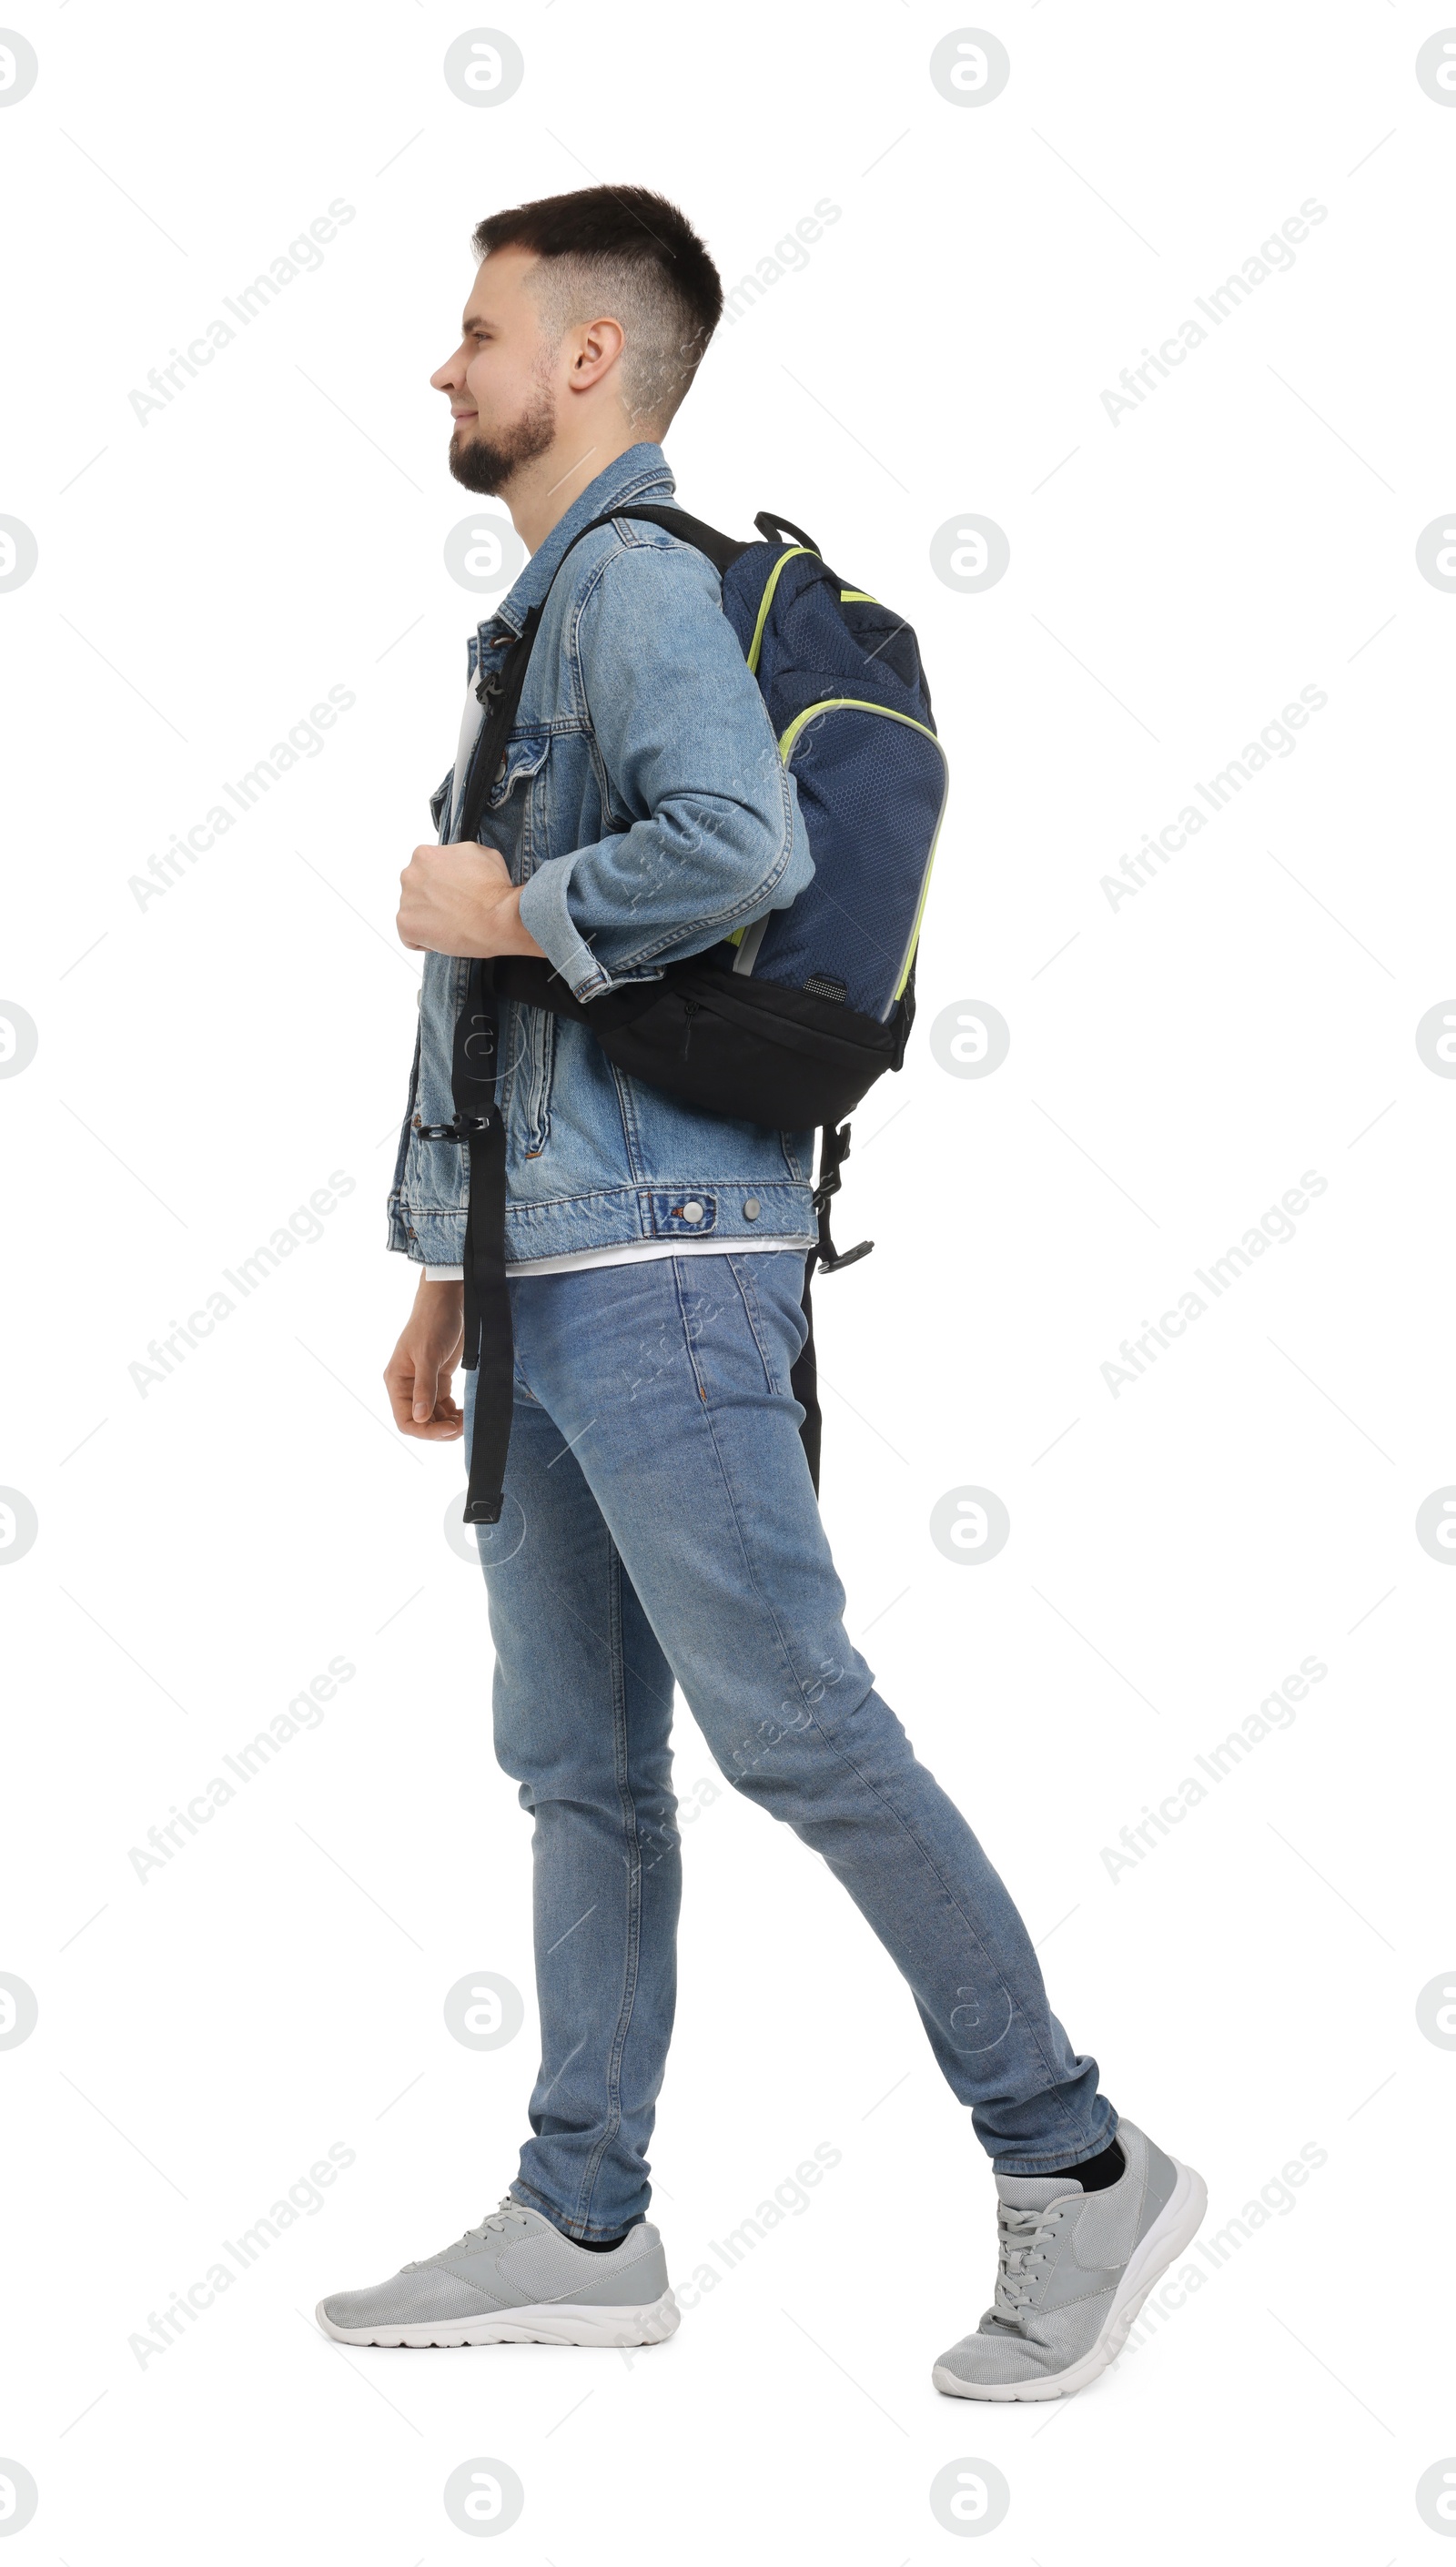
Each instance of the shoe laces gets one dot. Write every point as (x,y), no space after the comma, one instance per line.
(507,2214)
(1023,2237)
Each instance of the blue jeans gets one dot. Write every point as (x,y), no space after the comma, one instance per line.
(659,1522)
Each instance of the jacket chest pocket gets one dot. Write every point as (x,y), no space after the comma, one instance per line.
(515,809)
(535,1036)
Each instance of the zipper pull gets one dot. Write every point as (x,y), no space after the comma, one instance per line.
(690,1010)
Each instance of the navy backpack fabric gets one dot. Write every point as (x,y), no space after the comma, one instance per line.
(841,678)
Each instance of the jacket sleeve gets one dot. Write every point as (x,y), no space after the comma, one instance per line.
(713,836)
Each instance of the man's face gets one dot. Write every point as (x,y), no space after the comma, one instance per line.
(499,382)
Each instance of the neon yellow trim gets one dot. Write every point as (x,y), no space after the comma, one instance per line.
(855,703)
(767,600)
(924,896)
(857,597)
(851,703)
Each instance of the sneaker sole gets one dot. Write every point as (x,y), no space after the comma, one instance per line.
(553,2322)
(1175,2227)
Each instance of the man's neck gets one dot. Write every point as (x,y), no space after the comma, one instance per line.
(540,493)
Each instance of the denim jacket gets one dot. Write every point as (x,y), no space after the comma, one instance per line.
(645,810)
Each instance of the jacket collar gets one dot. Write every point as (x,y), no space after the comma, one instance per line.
(641,474)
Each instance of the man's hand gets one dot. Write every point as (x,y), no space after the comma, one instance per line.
(417,1375)
(461,899)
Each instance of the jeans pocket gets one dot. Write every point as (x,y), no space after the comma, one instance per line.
(773,1304)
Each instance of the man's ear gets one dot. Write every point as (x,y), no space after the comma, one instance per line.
(598,345)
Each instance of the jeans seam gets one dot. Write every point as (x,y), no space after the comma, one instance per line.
(613,2122)
(749,1296)
(1002,2163)
(535,2200)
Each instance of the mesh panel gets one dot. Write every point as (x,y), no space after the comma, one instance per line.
(1108,2225)
(1035,2192)
(1038,2348)
(550,2268)
(870,790)
(994,2358)
(408,2300)
(884,636)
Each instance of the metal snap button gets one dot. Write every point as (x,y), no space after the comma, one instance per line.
(691,1212)
(752,1209)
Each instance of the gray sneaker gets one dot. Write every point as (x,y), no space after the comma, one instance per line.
(1076,2268)
(515,2280)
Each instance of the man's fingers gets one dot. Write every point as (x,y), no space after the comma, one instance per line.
(411,922)
(399,1388)
(422,1396)
(418,1387)
(407,1387)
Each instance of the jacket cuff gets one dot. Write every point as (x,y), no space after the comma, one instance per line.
(546,915)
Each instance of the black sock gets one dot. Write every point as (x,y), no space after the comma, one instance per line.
(1095,2173)
(599,2245)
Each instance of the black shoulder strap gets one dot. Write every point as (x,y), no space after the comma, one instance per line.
(502,695)
(722,550)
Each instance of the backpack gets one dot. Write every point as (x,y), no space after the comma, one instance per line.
(787,1022)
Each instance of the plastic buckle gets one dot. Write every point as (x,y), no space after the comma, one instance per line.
(460,1130)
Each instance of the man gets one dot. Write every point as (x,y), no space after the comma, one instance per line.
(659,1519)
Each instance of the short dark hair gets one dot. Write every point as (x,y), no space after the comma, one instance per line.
(632,245)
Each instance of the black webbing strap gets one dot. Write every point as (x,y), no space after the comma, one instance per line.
(833,1151)
(722,550)
(771,528)
(501,695)
(489,1348)
(804,1379)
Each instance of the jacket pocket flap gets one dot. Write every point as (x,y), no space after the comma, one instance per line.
(523,758)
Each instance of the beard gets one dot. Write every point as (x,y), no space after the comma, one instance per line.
(485,464)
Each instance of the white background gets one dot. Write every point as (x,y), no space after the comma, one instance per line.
(205,1062)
